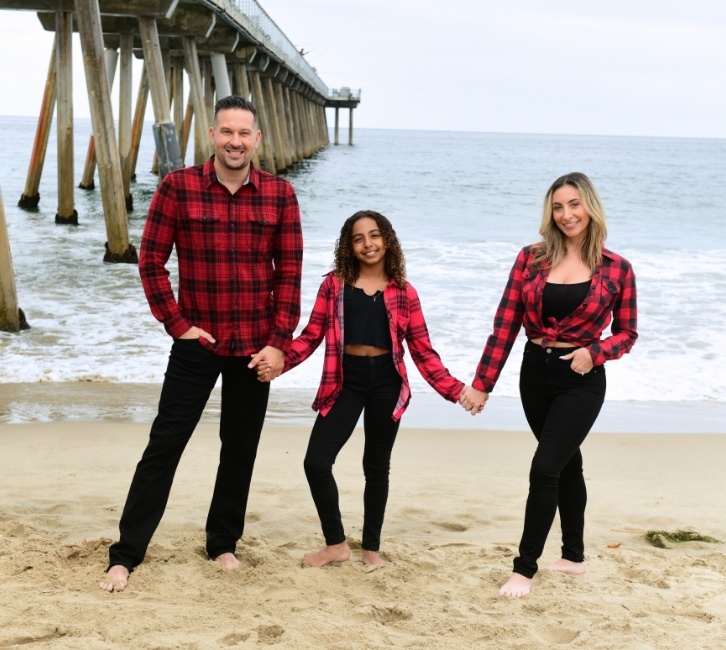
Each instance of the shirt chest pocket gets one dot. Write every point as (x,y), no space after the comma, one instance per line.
(262,225)
(205,229)
(401,316)
(608,292)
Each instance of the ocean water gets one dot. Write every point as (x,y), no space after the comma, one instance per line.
(462,204)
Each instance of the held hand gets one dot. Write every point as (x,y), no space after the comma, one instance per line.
(269,363)
(473,400)
(197,333)
(581,361)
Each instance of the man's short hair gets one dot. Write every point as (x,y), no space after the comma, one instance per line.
(234,101)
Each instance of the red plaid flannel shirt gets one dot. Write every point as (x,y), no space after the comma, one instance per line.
(612,295)
(406,321)
(239,256)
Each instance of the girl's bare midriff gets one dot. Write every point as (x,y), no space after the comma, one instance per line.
(364,350)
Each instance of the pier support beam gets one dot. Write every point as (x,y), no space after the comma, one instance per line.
(350,127)
(12,319)
(64,65)
(89,168)
(165,136)
(221,75)
(126,53)
(118,247)
(137,127)
(177,100)
(268,146)
(274,123)
(196,90)
(31,196)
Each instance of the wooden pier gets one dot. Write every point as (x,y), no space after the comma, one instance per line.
(215,48)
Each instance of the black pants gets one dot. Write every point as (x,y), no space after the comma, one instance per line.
(369,383)
(561,406)
(190,377)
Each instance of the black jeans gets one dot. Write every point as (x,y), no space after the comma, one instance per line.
(369,383)
(190,377)
(561,406)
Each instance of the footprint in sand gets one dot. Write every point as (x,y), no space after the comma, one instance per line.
(269,633)
(390,614)
(452,525)
(559,635)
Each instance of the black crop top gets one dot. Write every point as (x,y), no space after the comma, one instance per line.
(560,300)
(366,319)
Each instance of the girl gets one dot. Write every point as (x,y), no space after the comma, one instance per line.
(364,310)
(564,290)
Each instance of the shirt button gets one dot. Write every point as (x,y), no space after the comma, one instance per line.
(549,350)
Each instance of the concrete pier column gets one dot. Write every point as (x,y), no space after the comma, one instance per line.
(177,95)
(326,131)
(337,126)
(31,196)
(12,319)
(292,127)
(89,168)
(142,97)
(118,247)
(297,134)
(323,125)
(126,53)
(324,139)
(64,111)
(186,127)
(268,140)
(166,64)
(209,95)
(310,115)
(305,121)
(242,85)
(281,118)
(221,75)
(196,91)
(304,125)
(165,137)
(269,92)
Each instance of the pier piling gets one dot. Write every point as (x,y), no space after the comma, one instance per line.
(12,318)
(31,196)
(64,118)
(118,247)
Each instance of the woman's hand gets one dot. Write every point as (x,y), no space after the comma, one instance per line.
(473,400)
(581,360)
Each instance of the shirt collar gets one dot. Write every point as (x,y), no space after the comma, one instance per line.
(211,175)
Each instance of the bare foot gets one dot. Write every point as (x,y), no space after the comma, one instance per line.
(516,587)
(566,566)
(227,561)
(372,558)
(329,554)
(116,579)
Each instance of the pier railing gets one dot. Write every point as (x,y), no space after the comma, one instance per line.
(250,16)
(345,93)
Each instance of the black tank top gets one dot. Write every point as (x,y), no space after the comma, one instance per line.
(366,319)
(560,300)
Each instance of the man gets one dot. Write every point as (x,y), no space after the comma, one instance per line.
(238,240)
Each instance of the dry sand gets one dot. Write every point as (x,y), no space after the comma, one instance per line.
(452,526)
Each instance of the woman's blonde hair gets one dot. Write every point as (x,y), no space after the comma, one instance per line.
(551,249)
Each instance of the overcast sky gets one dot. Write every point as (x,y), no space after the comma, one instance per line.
(615,67)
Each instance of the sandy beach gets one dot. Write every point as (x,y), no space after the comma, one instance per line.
(453,523)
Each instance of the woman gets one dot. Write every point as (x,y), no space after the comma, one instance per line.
(365,309)
(564,290)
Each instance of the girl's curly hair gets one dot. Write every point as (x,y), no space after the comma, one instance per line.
(347,266)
